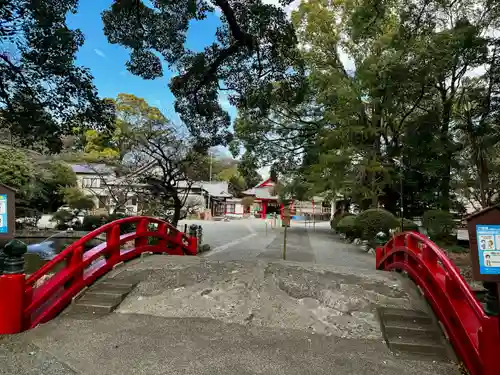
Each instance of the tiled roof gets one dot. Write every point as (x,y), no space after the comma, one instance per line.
(216,189)
(91,168)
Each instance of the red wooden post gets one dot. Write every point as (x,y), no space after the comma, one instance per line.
(193,245)
(379,253)
(11,303)
(177,249)
(489,346)
(12,288)
(75,262)
(162,229)
(142,227)
(113,244)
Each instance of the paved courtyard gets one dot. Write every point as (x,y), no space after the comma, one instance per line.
(250,240)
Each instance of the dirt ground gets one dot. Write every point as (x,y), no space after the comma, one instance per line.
(463,262)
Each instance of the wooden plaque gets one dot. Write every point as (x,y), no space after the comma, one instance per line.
(484,243)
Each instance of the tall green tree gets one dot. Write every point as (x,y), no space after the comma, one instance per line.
(39,182)
(389,107)
(43,93)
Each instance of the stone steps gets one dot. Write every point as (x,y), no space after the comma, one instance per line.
(100,299)
(413,333)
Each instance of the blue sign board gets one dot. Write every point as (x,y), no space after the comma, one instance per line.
(488,246)
(4,226)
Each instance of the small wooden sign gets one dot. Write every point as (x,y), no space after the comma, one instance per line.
(484,242)
(7,212)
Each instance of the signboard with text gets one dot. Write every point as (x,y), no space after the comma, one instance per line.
(484,241)
(4,222)
(7,213)
(488,240)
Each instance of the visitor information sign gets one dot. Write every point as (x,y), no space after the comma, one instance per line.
(3,214)
(488,245)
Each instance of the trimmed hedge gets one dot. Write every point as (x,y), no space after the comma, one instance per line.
(348,226)
(92,222)
(125,228)
(373,221)
(439,224)
(336,219)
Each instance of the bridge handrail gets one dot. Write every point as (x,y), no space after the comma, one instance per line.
(82,268)
(63,255)
(474,334)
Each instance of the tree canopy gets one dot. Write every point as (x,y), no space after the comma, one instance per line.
(43,93)
(401,97)
(253,55)
(40,183)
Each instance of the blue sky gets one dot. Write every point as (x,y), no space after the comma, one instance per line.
(107,62)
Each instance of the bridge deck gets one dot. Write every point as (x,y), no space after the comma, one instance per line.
(218,315)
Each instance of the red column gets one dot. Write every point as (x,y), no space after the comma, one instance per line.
(11,303)
(282,208)
(263,211)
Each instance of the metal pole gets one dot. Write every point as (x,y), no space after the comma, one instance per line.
(284,243)
(401,209)
(210,176)
(314,217)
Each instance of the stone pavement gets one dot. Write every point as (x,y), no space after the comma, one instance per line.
(256,315)
(304,244)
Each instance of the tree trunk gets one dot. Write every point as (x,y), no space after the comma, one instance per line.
(177,211)
(444,186)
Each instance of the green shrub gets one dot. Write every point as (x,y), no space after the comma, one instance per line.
(439,224)
(375,220)
(336,219)
(348,226)
(408,225)
(63,219)
(92,222)
(124,228)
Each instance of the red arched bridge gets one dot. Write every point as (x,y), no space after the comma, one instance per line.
(25,302)
(473,334)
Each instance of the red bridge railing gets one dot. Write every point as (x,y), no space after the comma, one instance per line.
(74,269)
(474,335)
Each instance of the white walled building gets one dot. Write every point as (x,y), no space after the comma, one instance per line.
(110,192)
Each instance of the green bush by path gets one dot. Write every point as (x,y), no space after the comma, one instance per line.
(92,222)
(373,221)
(347,226)
(439,224)
(336,219)
(408,225)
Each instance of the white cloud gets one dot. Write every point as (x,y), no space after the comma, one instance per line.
(98,52)
(288,9)
(346,60)
(265,172)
